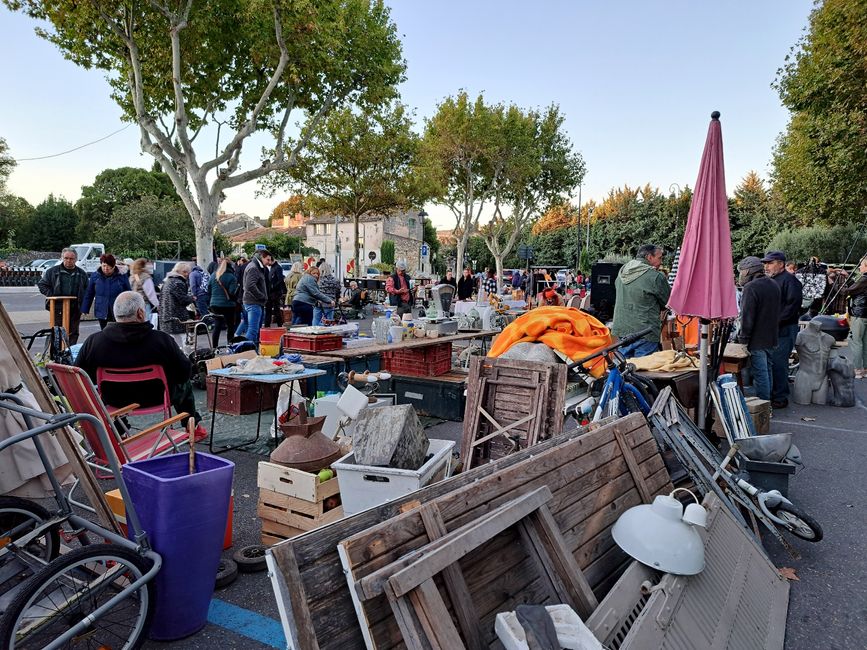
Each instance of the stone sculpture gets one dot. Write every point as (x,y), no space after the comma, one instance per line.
(842,376)
(814,351)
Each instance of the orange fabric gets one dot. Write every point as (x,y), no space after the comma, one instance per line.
(570,331)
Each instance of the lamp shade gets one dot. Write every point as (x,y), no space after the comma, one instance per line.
(657,536)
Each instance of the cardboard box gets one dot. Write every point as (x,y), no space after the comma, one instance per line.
(222,361)
(760,411)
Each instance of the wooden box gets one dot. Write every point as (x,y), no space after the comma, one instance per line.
(292,502)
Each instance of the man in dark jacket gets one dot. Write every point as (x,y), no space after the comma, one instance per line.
(255,292)
(65,279)
(642,293)
(132,342)
(760,313)
(791,295)
(276,294)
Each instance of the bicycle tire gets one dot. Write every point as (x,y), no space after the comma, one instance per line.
(13,510)
(45,589)
(804,526)
(629,403)
(649,388)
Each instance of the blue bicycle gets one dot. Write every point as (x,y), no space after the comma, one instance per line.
(622,391)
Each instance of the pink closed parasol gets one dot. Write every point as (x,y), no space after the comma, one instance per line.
(704,286)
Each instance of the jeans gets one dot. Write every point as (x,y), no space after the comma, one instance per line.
(858,337)
(254,321)
(780,362)
(319,313)
(760,366)
(202,304)
(241,330)
(302,313)
(641,348)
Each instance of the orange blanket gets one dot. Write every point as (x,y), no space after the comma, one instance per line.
(570,331)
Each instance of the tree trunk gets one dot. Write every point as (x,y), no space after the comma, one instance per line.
(498,262)
(459,255)
(204,226)
(357,272)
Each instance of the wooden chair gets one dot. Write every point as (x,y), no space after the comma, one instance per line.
(135,376)
(156,440)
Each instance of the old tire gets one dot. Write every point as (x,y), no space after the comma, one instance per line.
(250,559)
(227,573)
(802,524)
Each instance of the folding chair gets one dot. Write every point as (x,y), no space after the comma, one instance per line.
(156,440)
(135,376)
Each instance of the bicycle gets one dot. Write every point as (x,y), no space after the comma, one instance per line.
(99,594)
(623,391)
(708,469)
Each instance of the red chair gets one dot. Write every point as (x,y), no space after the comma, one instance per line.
(134,376)
(156,440)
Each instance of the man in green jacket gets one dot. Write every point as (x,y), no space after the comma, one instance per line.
(642,293)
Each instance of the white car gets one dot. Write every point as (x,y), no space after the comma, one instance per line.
(44,265)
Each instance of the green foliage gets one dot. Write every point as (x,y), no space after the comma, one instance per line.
(222,244)
(15,216)
(135,226)
(820,162)
(115,188)
(382,266)
(359,163)
(281,246)
(386,252)
(430,236)
(289,208)
(829,244)
(478,252)
(51,227)
(7,164)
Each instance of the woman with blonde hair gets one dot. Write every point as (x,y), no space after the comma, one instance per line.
(141,281)
(223,289)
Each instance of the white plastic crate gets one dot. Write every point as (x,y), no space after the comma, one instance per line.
(366,486)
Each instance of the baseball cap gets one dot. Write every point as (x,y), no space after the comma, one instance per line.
(774,256)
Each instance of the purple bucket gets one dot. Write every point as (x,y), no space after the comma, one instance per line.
(184,516)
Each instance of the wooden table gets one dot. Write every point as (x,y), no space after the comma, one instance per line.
(684,384)
(66,306)
(377,348)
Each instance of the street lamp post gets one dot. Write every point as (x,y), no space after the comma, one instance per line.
(421,215)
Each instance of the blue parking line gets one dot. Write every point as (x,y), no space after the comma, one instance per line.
(246,623)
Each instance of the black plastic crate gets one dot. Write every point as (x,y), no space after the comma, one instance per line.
(433,397)
(768,476)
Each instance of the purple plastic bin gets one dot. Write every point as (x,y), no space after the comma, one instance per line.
(184,516)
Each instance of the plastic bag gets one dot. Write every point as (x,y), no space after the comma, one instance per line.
(284,411)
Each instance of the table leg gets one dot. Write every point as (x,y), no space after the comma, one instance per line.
(220,450)
(65,316)
(51,314)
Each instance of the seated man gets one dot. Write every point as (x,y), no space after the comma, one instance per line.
(132,342)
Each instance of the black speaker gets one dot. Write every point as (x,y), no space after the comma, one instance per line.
(603,295)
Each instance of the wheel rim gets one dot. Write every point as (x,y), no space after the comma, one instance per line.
(11,518)
(796,524)
(77,591)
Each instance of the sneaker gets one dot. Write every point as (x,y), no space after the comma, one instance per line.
(201,432)
(780,404)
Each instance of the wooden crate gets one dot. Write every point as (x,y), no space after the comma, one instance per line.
(292,502)
(295,483)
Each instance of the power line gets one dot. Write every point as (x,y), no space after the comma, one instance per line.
(62,153)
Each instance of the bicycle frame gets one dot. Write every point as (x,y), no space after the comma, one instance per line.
(609,401)
(141,544)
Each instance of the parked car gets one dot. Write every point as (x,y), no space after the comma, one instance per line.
(36,263)
(286,266)
(838,327)
(371,272)
(46,264)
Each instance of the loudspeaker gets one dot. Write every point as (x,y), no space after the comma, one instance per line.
(603,294)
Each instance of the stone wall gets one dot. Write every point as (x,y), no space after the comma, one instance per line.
(24,258)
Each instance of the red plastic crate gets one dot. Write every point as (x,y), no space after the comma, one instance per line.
(312,342)
(429,361)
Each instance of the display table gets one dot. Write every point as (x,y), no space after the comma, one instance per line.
(276,379)
(377,348)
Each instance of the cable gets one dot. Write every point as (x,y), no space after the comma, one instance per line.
(62,153)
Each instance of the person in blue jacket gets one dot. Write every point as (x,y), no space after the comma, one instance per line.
(103,288)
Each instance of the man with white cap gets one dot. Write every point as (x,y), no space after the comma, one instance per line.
(397,288)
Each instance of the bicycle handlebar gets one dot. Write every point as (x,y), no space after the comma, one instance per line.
(626,340)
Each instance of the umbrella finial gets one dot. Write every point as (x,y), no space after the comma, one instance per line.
(714,115)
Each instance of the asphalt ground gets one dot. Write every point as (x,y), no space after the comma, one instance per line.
(827,605)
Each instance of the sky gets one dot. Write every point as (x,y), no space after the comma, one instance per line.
(637,82)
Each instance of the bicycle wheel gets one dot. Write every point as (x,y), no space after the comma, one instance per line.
(15,512)
(70,589)
(798,523)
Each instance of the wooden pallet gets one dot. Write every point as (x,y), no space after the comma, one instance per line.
(592,485)
(511,405)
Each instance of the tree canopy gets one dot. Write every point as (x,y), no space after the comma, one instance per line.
(357,163)
(51,226)
(115,188)
(136,225)
(242,64)
(820,161)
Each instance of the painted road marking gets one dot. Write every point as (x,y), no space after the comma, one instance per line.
(246,623)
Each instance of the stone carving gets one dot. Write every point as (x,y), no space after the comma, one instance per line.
(842,376)
(814,350)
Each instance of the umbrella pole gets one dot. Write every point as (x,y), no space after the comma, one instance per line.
(701,418)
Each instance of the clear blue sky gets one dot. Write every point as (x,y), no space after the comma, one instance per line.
(636,80)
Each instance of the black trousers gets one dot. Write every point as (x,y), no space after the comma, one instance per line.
(74,319)
(228,320)
(272,311)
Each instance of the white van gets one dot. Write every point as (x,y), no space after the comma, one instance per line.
(88,255)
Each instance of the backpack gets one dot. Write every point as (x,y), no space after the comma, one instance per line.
(57,347)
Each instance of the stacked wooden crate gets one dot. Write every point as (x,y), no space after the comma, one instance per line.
(292,502)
